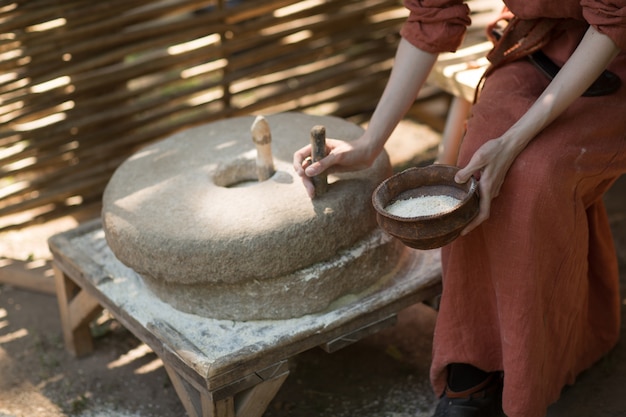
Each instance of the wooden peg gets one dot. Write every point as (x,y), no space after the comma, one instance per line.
(262,138)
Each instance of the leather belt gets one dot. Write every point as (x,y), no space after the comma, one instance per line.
(608,82)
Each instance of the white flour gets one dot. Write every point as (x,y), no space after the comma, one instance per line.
(422,206)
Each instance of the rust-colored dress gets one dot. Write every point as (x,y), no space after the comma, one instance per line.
(533,291)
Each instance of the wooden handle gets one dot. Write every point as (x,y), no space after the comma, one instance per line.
(318,151)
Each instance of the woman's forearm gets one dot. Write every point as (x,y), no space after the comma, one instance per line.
(410,70)
(590,58)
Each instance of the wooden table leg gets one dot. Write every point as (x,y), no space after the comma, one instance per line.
(454,131)
(254,401)
(250,402)
(77,309)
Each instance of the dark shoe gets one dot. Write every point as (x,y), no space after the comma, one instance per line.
(483,400)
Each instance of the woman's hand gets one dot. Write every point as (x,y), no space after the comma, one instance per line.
(410,70)
(341,156)
(490,162)
(493,159)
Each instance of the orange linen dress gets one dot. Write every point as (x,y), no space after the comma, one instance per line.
(533,291)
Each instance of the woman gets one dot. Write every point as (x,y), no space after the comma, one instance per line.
(530,289)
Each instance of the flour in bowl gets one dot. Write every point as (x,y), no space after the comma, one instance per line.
(422,206)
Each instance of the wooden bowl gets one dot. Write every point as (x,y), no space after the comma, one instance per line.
(427,231)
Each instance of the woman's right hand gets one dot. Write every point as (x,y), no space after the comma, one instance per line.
(341,156)
(410,70)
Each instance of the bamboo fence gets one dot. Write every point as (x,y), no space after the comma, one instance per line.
(84,84)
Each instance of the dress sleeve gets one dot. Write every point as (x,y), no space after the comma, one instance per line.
(436,25)
(608,17)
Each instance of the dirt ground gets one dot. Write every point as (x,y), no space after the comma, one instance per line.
(384,375)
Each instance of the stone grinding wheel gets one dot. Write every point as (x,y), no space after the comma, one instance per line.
(189,216)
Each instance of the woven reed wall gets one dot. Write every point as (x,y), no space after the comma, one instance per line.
(83,83)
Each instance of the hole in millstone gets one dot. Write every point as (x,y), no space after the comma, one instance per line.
(244,183)
(242,173)
(237,174)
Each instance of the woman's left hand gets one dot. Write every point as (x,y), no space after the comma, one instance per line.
(489,164)
(493,159)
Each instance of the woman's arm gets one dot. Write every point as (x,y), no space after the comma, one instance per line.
(495,157)
(410,70)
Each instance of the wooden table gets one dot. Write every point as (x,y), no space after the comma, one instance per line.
(219,368)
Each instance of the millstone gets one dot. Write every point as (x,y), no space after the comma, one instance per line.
(188,215)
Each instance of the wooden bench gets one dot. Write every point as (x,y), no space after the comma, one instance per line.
(219,368)
(459,73)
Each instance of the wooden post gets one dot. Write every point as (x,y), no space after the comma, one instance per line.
(32,276)
(318,151)
(454,130)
